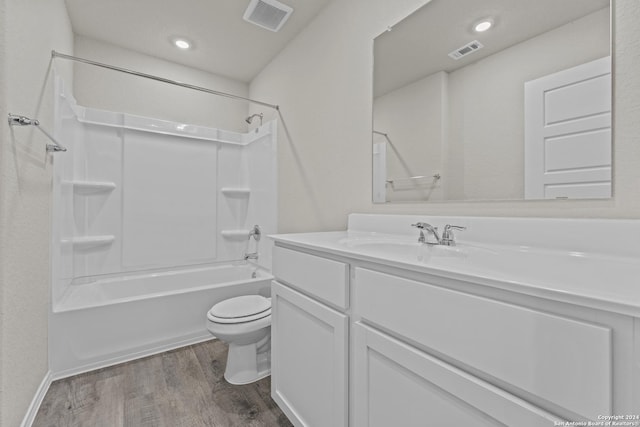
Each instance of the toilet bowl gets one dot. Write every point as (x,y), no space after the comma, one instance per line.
(245,324)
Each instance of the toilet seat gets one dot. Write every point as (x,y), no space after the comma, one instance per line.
(241,309)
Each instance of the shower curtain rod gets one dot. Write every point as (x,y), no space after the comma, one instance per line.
(55,54)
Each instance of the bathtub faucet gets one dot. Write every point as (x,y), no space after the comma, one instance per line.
(256,234)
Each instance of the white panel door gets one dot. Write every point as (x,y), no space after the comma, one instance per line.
(308,359)
(398,385)
(568,133)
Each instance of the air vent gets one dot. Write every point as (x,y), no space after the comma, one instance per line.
(268,14)
(466,49)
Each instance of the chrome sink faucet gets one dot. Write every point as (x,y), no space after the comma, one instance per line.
(448,239)
(422,226)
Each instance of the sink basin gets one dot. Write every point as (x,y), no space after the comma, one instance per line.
(358,242)
(404,248)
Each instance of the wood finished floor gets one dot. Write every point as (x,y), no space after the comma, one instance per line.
(179,388)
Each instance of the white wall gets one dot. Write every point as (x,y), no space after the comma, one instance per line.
(31,29)
(113,91)
(323,83)
(3,130)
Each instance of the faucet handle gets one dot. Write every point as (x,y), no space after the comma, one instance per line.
(430,229)
(423,226)
(447,234)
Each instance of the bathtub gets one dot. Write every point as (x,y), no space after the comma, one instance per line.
(105,321)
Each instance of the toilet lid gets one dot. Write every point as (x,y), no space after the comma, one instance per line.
(240,309)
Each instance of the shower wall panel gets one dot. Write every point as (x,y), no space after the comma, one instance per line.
(97,210)
(140,195)
(169,200)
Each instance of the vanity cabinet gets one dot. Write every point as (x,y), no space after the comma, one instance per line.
(309,339)
(361,342)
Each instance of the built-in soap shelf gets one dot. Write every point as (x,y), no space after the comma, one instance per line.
(91,187)
(236,191)
(235,234)
(87,242)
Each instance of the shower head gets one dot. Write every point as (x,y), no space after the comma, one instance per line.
(250,118)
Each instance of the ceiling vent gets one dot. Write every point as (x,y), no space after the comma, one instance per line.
(269,14)
(466,50)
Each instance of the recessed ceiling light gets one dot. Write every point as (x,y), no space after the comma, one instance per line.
(483,25)
(182,43)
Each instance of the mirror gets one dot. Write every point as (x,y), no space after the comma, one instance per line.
(519,111)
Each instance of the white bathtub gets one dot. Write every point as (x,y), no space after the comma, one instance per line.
(112,320)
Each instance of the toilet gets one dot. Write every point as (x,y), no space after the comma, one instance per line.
(245,324)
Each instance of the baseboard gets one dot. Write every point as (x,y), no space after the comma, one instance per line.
(131,356)
(30,416)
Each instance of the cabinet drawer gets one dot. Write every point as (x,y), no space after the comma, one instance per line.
(396,384)
(317,276)
(558,359)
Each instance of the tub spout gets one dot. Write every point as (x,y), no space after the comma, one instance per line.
(252,255)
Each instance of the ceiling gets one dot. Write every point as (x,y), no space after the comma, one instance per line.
(421,43)
(224,43)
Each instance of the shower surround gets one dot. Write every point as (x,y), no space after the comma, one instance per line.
(150,226)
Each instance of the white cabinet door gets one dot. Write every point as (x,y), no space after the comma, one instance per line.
(513,344)
(308,359)
(568,133)
(398,385)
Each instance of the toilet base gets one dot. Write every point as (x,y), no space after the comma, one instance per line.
(248,363)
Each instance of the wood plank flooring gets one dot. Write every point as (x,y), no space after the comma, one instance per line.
(179,388)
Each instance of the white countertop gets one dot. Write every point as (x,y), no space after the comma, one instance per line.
(606,282)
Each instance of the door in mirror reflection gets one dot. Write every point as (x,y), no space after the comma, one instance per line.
(449,102)
(567,133)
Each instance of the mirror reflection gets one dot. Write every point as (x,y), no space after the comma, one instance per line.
(494,100)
